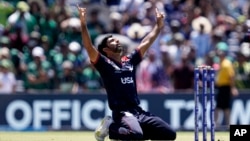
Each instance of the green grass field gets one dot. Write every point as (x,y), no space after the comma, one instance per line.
(87,136)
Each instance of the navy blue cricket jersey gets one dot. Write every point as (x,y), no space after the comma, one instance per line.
(119,80)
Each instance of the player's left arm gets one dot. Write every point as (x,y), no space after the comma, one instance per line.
(150,38)
(234,90)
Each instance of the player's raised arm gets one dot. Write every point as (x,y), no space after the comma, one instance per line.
(92,51)
(150,38)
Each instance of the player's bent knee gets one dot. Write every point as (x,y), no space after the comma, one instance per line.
(126,134)
(168,135)
(173,136)
(138,136)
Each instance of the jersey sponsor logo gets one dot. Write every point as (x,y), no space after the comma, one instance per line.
(127,80)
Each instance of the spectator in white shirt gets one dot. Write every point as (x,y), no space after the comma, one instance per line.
(7,78)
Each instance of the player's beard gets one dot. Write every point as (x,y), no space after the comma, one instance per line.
(118,49)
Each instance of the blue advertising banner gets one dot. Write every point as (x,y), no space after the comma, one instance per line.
(85,111)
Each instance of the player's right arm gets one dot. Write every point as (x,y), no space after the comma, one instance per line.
(92,51)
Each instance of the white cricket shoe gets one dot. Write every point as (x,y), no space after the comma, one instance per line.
(103,129)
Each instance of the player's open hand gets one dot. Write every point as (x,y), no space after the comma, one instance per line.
(82,14)
(160,17)
(234,91)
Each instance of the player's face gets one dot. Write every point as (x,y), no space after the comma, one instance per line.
(114,45)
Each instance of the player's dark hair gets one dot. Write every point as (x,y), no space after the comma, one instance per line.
(103,44)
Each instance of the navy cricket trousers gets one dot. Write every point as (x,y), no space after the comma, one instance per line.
(137,124)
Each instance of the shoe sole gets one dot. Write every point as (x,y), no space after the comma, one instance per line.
(98,132)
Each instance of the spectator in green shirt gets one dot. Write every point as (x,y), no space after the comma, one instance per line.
(39,71)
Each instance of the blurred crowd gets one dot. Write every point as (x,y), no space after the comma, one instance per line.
(41,48)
